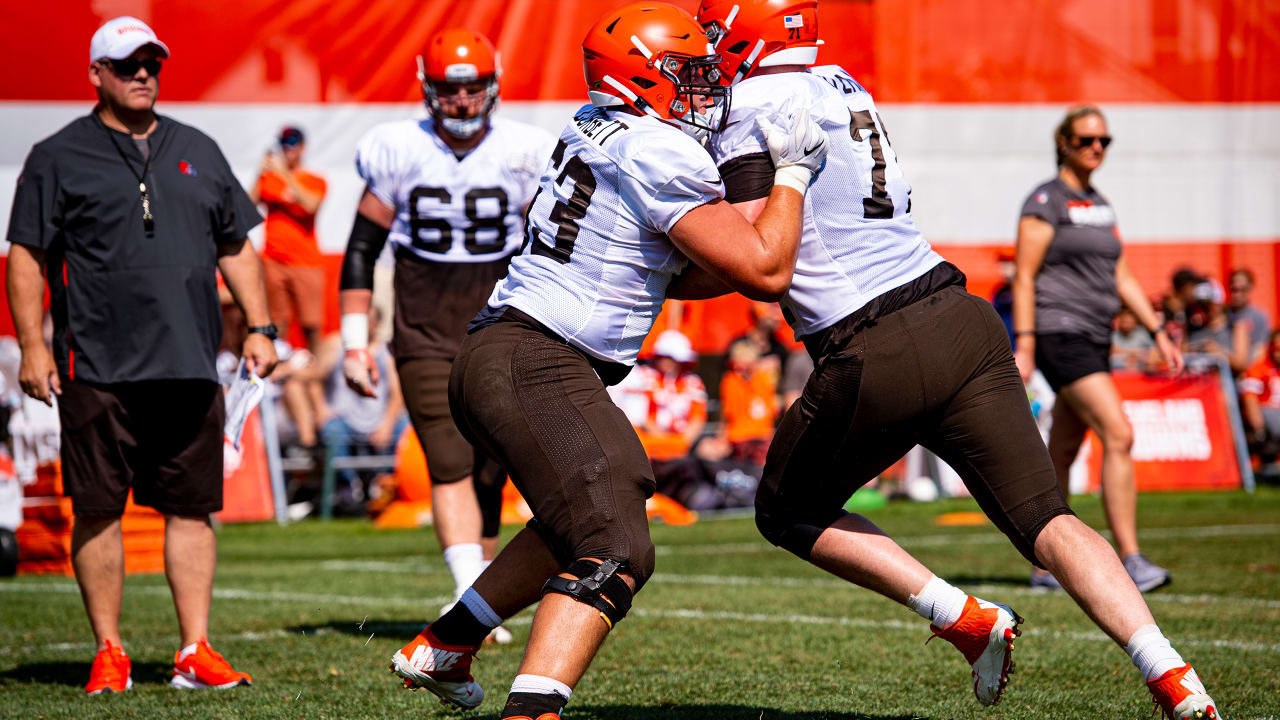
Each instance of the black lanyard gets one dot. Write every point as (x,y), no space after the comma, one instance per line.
(148,221)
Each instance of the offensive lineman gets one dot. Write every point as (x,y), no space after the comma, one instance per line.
(627,200)
(903,356)
(450,192)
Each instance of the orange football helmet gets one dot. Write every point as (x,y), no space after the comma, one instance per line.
(750,34)
(459,73)
(655,59)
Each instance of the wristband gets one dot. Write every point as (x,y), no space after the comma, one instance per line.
(355,331)
(1020,333)
(796,177)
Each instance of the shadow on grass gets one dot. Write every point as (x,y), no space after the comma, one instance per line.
(381,628)
(77,673)
(962,581)
(720,712)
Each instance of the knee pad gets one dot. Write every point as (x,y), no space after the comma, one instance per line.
(598,585)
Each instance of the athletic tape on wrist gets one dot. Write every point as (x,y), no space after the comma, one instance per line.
(355,331)
(796,177)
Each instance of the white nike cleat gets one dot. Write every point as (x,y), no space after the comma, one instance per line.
(499,635)
(443,669)
(984,635)
(1181,696)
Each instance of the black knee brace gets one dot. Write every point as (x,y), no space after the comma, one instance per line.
(598,585)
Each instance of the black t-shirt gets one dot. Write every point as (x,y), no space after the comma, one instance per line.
(1076,286)
(130,305)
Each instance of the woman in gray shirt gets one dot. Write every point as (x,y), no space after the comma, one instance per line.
(1070,280)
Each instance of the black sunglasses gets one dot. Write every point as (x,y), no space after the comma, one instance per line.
(129,68)
(1088,140)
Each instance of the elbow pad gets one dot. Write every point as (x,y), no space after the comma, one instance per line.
(363,249)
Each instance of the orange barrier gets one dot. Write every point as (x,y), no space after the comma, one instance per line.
(246,494)
(1183,437)
(44,538)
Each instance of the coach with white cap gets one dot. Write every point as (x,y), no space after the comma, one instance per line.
(129,215)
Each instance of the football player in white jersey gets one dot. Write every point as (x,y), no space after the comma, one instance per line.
(629,198)
(903,356)
(450,192)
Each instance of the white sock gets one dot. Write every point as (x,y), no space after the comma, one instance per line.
(939,602)
(466,562)
(540,685)
(480,609)
(1152,654)
(187,651)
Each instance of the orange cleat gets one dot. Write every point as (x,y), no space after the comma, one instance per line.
(445,670)
(1181,695)
(984,635)
(201,667)
(111,671)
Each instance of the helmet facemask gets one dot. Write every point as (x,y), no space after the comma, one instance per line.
(460,116)
(701,104)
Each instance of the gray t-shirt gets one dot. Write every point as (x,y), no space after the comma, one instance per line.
(1260,333)
(1076,285)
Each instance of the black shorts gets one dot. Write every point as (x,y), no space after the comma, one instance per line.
(938,373)
(537,405)
(163,438)
(1064,358)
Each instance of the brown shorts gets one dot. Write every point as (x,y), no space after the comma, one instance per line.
(937,373)
(537,405)
(424,382)
(294,292)
(163,438)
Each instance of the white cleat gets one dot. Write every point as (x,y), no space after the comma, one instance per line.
(984,635)
(1181,696)
(445,670)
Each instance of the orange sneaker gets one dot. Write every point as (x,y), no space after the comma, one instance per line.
(1181,695)
(984,635)
(443,669)
(198,666)
(111,671)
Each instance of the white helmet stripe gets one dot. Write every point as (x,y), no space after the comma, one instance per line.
(733,14)
(640,46)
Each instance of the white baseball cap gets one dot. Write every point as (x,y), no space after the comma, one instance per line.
(119,37)
(674,344)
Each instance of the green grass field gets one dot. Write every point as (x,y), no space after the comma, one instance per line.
(729,627)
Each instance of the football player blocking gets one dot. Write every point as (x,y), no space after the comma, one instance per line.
(877,309)
(628,199)
(449,193)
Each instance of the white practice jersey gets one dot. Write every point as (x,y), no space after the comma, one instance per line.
(859,241)
(451,210)
(597,260)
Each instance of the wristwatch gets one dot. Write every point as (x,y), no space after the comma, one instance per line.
(268,330)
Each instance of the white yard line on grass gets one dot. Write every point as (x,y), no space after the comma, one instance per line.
(916,627)
(237,594)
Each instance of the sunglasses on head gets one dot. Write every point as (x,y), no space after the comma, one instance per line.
(1088,140)
(129,68)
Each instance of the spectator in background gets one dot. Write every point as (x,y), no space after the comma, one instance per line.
(293,267)
(356,424)
(1002,298)
(1176,304)
(291,261)
(748,402)
(766,318)
(1239,309)
(1132,347)
(1211,333)
(676,411)
(1260,402)
(1070,281)
(794,376)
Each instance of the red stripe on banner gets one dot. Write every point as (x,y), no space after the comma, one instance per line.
(950,51)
